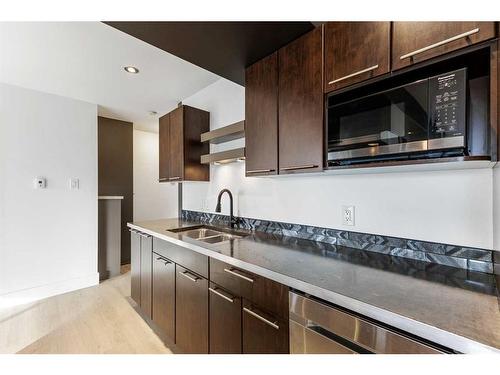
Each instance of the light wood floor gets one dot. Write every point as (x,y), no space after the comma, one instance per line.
(94,320)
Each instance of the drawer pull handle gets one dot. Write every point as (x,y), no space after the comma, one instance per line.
(268,322)
(164,260)
(354,74)
(189,276)
(438,44)
(215,291)
(261,170)
(233,272)
(174,178)
(163,179)
(309,166)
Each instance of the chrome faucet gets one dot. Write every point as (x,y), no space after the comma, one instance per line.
(232,220)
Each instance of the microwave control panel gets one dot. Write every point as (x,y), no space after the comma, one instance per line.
(447,100)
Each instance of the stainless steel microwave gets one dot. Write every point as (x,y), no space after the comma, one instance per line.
(426,115)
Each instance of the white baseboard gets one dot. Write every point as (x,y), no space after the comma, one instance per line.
(44,291)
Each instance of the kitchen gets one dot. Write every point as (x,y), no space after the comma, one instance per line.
(332,190)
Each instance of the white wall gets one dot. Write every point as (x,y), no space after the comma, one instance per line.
(152,200)
(453,207)
(48,238)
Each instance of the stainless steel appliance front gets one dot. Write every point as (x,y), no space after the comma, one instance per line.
(316,327)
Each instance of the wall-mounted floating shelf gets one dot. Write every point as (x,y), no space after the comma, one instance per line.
(224,157)
(225,134)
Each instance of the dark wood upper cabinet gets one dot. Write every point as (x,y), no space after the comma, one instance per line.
(180,145)
(300,104)
(135,267)
(164,148)
(191,311)
(146,273)
(164,295)
(355,51)
(261,117)
(413,42)
(225,321)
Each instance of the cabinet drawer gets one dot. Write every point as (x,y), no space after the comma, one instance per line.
(263,333)
(192,260)
(267,294)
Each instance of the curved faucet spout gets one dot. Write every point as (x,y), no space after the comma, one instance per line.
(232,219)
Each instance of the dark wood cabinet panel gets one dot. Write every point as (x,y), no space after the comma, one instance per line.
(135,267)
(301,142)
(146,273)
(192,260)
(176,143)
(180,146)
(196,122)
(164,148)
(163,314)
(434,39)
(266,293)
(225,321)
(355,51)
(191,311)
(261,117)
(263,333)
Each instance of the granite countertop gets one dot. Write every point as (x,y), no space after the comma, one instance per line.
(456,308)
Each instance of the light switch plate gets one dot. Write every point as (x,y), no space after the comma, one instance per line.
(348,215)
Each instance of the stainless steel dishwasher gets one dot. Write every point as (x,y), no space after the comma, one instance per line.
(317,327)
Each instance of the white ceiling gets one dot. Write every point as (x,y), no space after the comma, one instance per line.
(85,60)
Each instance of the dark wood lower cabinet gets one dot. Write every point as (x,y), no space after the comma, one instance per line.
(164,295)
(146,273)
(263,333)
(225,322)
(135,267)
(191,311)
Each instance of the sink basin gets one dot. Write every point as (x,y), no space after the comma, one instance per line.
(209,234)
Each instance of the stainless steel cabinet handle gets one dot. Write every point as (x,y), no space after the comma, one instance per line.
(261,170)
(233,272)
(268,322)
(438,44)
(162,179)
(215,291)
(189,276)
(309,166)
(174,178)
(164,260)
(354,74)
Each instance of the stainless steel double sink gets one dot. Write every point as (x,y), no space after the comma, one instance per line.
(209,234)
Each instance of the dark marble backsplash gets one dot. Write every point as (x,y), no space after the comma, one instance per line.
(467,258)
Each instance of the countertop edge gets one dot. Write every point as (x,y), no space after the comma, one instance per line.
(448,339)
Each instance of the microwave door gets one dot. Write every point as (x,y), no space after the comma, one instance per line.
(394,121)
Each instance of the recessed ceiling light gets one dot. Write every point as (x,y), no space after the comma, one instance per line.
(131,69)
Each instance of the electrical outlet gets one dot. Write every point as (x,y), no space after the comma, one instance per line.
(348,215)
(74,183)
(40,183)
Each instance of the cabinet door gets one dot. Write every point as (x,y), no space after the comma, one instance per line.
(263,333)
(164,295)
(135,267)
(164,148)
(301,146)
(191,311)
(176,145)
(413,42)
(261,117)
(225,321)
(355,51)
(146,273)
